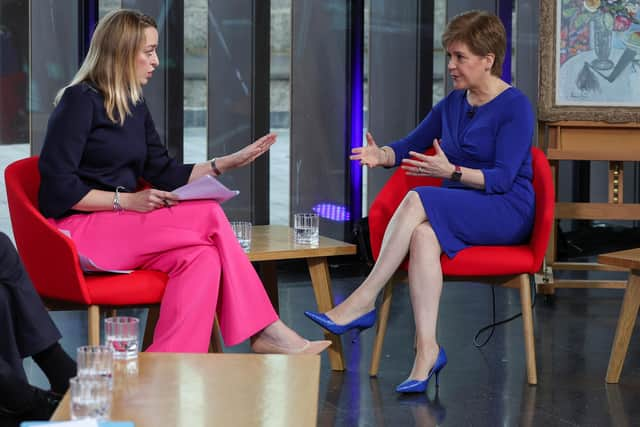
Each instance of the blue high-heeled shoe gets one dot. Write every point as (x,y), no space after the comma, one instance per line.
(420,386)
(363,322)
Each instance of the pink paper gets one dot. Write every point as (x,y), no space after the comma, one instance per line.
(206,187)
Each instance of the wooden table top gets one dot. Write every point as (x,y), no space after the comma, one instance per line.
(627,259)
(275,242)
(194,390)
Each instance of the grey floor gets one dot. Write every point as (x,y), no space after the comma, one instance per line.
(479,387)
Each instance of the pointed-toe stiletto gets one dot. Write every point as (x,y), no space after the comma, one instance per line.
(309,347)
(420,386)
(363,322)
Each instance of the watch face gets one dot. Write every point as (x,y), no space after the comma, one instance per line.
(457,174)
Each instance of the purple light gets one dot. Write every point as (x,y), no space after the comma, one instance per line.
(356,105)
(332,212)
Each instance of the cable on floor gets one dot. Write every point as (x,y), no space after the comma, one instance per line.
(492,326)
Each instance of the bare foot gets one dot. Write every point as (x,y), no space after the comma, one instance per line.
(278,338)
(310,347)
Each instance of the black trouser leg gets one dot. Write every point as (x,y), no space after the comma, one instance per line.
(27,322)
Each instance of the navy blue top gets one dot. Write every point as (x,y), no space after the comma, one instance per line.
(84,150)
(494,138)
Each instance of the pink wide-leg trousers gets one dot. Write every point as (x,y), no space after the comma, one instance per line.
(209,274)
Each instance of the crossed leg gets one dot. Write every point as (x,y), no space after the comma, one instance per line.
(425,287)
(395,246)
(409,231)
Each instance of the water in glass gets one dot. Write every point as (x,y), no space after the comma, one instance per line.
(124,347)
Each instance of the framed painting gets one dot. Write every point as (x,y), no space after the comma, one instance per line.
(589,60)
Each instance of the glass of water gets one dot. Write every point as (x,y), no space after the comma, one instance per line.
(95,361)
(306,228)
(242,230)
(121,334)
(90,398)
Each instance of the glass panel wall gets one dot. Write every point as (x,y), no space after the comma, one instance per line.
(14,81)
(106,6)
(14,68)
(53,30)
(231,97)
(320,96)
(279,155)
(195,80)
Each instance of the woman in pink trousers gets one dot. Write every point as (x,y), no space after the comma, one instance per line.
(100,141)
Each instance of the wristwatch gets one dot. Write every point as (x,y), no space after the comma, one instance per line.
(457,174)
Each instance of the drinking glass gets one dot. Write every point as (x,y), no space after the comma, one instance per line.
(122,336)
(95,361)
(90,398)
(242,230)
(306,228)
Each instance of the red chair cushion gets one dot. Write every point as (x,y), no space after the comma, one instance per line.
(137,288)
(488,261)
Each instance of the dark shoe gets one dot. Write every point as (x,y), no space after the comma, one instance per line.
(8,418)
(43,405)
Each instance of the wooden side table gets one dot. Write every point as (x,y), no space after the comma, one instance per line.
(628,313)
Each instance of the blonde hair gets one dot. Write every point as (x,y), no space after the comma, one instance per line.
(110,64)
(482,32)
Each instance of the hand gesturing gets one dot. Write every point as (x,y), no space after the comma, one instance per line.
(370,155)
(437,166)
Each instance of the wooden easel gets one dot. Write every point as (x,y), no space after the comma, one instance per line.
(584,140)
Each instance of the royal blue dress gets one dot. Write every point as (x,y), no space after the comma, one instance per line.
(495,138)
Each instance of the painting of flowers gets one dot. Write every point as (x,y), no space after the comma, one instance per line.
(598,52)
(576,18)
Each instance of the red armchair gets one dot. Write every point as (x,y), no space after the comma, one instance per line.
(509,266)
(51,260)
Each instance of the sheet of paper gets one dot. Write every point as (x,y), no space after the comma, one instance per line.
(87,265)
(206,187)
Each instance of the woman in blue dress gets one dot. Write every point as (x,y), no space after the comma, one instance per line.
(481,133)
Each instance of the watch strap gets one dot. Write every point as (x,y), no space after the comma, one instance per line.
(215,168)
(457,173)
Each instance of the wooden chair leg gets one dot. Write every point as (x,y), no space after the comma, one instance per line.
(215,345)
(93,313)
(150,327)
(527,322)
(624,329)
(381,327)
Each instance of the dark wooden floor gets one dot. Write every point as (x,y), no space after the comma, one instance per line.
(478,387)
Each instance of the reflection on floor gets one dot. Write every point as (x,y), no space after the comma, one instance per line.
(479,387)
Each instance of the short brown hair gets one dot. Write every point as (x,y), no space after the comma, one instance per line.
(482,32)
